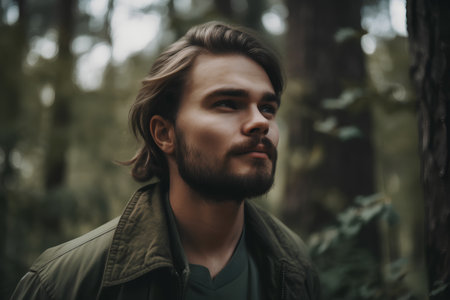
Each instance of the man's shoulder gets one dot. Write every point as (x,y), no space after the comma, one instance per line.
(87,246)
(75,269)
(72,270)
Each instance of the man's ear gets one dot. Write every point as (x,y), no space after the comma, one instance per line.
(163,134)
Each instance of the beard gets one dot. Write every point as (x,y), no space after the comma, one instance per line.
(215,180)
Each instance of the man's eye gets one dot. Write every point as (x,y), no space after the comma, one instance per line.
(268,109)
(226,104)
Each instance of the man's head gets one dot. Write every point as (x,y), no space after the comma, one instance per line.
(211,49)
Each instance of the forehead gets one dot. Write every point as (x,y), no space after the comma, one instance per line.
(212,72)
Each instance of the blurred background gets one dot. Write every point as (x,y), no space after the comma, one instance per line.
(348,172)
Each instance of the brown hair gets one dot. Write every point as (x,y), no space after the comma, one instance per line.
(162,87)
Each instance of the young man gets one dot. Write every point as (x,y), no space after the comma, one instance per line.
(206,113)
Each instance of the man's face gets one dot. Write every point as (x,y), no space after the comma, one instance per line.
(226,134)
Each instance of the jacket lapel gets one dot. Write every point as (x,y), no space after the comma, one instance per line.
(277,250)
(144,242)
(141,241)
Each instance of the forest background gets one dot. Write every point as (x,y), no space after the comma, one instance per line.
(348,173)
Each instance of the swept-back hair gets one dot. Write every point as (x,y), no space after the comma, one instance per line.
(162,87)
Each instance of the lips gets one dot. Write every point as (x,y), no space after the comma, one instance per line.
(258,147)
(259,152)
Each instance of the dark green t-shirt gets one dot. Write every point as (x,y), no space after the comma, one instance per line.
(238,280)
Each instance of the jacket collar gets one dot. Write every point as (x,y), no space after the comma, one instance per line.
(142,240)
(146,239)
(280,253)
(273,236)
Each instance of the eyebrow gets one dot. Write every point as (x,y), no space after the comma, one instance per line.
(240,93)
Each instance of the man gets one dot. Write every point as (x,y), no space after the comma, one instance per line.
(206,113)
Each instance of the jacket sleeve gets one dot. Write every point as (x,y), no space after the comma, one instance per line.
(30,287)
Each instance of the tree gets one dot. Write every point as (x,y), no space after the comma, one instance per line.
(332,159)
(429,36)
(249,17)
(56,163)
(12,49)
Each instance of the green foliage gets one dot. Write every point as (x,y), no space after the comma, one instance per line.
(95,190)
(346,98)
(348,270)
(347,33)
(438,288)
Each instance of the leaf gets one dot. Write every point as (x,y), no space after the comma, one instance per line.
(323,240)
(327,240)
(368,213)
(349,132)
(397,270)
(369,200)
(351,229)
(347,216)
(438,287)
(346,98)
(326,126)
(350,222)
(344,34)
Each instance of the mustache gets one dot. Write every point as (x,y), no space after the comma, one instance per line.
(253,143)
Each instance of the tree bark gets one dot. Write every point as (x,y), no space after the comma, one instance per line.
(429,36)
(250,18)
(326,172)
(56,162)
(11,76)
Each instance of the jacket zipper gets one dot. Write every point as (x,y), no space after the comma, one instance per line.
(182,284)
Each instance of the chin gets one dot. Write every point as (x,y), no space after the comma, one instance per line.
(255,170)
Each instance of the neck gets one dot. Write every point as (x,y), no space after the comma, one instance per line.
(209,228)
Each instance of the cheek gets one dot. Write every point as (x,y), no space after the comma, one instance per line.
(273,134)
(209,138)
(208,135)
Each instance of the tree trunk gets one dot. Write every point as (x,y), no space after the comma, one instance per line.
(11,77)
(326,172)
(429,36)
(250,18)
(56,162)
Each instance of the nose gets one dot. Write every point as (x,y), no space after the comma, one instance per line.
(256,123)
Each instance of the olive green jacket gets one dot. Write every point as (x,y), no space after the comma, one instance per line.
(135,257)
